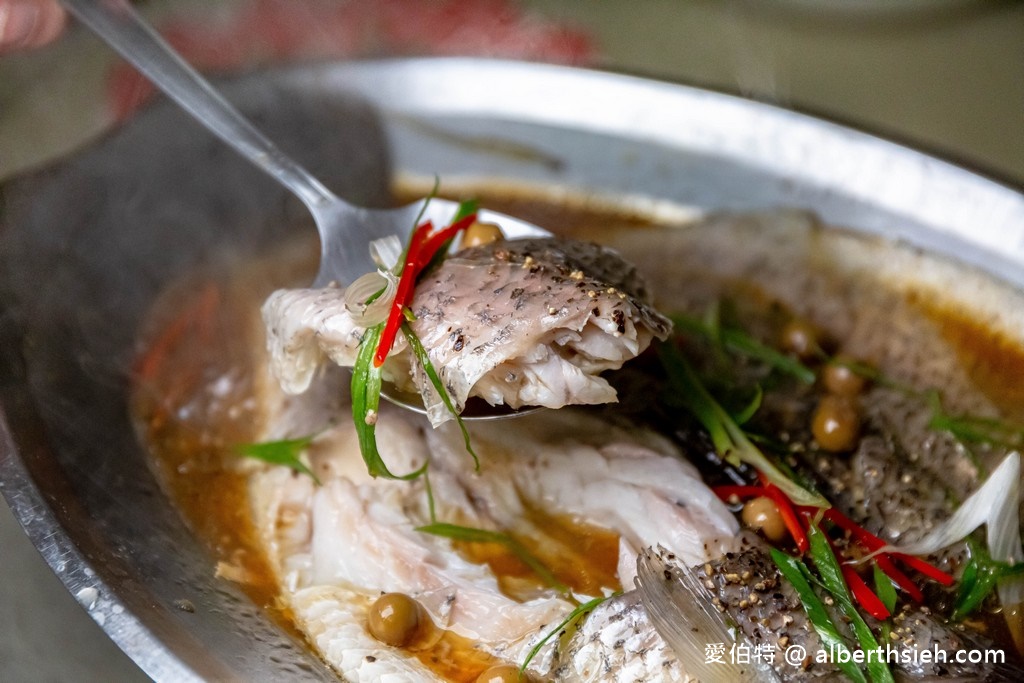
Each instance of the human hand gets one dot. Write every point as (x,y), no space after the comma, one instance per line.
(27,24)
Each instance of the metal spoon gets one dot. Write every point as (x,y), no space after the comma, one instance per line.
(345,230)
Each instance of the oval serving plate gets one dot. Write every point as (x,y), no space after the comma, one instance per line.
(87,244)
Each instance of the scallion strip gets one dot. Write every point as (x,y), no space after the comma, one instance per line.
(474,535)
(884,588)
(285,452)
(742,343)
(980,577)
(366,384)
(797,573)
(831,574)
(575,615)
(729,439)
(428,367)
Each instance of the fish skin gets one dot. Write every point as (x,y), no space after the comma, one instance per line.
(523,322)
(617,641)
(747,588)
(532,322)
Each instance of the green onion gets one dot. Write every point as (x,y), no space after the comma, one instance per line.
(284,452)
(366,383)
(885,589)
(832,577)
(886,592)
(797,573)
(574,616)
(980,577)
(473,535)
(421,355)
(743,416)
(742,343)
(973,428)
(730,441)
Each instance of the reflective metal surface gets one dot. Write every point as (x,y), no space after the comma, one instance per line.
(86,245)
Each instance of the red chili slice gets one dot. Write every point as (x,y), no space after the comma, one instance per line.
(424,244)
(873,543)
(864,596)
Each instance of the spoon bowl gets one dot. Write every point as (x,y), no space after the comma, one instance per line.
(345,230)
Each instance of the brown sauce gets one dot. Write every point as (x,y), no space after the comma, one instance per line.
(994,362)
(582,557)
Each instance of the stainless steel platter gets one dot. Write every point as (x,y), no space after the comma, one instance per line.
(86,245)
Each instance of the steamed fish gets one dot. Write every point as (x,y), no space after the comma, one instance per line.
(523,322)
(543,479)
(605,504)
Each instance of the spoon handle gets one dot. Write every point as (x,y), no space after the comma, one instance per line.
(121,27)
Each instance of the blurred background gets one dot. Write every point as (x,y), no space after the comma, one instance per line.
(946,76)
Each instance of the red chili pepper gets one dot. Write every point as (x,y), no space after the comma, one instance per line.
(789,516)
(929,570)
(873,543)
(436,241)
(864,596)
(402,293)
(423,245)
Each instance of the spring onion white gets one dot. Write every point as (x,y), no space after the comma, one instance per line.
(995,504)
(370,296)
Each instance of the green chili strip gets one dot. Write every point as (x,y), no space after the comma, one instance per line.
(421,355)
(366,383)
(730,441)
(472,535)
(742,343)
(284,452)
(797,573)
(832,577)
(574,616)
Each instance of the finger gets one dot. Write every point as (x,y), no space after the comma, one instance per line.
(25,24)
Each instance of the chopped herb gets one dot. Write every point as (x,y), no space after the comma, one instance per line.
(730,441)
(574,616)
(284,452)
(797,573)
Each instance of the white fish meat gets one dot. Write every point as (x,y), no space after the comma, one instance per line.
(524,322)
(338,546)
